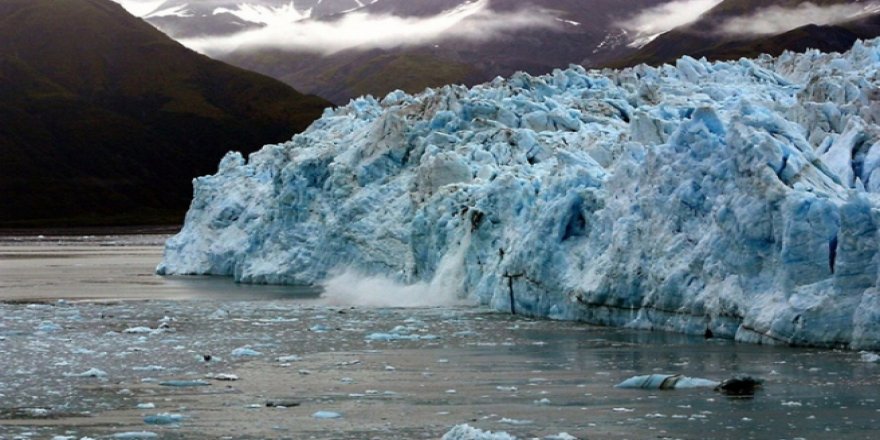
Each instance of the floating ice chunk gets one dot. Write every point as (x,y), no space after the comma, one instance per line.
(319,328)
(48,327)
(561,436)
(666,382)
(224,377)
(219,314)
(137,330)
(867,356)
(466,432)
(135,435)
(37,412)
(245,352)
(289,358)
(387,337)
(327,415)
(515,421)
(544,401)
(163,419)
(184,383)
(147,405)
(149,368)
(91,372)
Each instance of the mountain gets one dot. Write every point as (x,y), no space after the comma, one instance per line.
(737,199)
(710,36)
(562,32)
(104,119)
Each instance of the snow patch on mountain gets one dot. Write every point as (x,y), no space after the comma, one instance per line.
(733,198)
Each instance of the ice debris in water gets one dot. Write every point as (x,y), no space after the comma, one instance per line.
(466,432)
(91,372)
(135,435)
(667,382)
(245,352)
(739,198)
(327,415)
(184,383)
(48,327)
(163,419)
(867,356)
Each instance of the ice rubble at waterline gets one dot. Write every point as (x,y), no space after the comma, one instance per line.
(735,197)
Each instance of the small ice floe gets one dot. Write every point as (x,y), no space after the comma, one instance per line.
(63,437)
(137,330)
(544,401)
(388,337)
(515,421)
(135,435)
(219,314)
(184,383)
(36,412)
(327,415)
(623,410)
(466,432)
(228,377)
(509,389)
(666,382)
(149,368)
(289,358)
(48,327)
(245,352)
(319,328)
(164,419)
(868,356)
(791,403)
(561,436)
(147,405)
(91,372)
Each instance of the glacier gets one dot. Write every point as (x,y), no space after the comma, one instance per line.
(733,199)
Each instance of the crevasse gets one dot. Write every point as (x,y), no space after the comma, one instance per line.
(739,197)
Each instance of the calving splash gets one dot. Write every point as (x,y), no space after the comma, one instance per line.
(736,198)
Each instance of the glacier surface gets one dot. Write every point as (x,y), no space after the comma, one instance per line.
(733,198)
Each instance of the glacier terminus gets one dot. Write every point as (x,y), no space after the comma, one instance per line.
(740,198)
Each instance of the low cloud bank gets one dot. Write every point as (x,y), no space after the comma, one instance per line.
(776,20)
(668,16)
(285,29)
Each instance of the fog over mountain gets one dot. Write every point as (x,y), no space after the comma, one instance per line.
(340,49)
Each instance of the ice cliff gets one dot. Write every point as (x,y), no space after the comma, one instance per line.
(739,198)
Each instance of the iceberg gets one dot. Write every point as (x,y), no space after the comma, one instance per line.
(738,199)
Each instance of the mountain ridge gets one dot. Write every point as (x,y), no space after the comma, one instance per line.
(105,120)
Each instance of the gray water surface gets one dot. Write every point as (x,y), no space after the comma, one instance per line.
(451,366)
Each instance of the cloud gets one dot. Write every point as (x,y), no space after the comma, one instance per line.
(668,16)
(140,8)
(775,19)
(284,29)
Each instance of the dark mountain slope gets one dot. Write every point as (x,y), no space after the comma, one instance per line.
(105,120)
(704,38)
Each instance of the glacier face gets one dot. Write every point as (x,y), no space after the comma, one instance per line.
(735,197)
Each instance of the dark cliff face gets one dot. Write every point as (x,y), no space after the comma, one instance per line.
(105,120)
(705,38)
